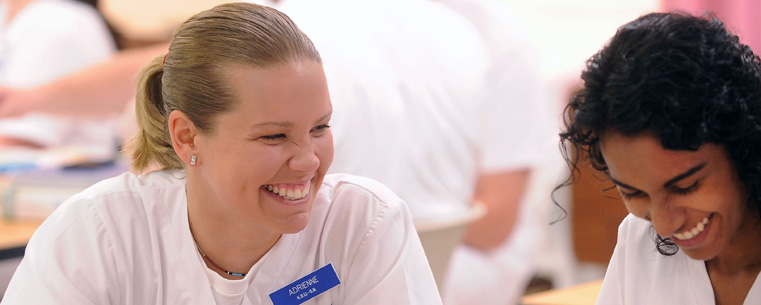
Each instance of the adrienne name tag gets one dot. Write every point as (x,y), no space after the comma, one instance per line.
(307,287)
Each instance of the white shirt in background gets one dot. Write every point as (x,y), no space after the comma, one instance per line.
(46,40)
(518,131)
(426,98)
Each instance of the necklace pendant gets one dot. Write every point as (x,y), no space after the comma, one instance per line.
(234,273)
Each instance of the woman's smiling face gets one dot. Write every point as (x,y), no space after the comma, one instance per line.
(696,198)
(275,137)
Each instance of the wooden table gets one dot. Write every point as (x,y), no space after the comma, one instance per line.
(584,294)
(14,235)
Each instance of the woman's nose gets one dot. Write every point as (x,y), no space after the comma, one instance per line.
(304,159)
(664,218)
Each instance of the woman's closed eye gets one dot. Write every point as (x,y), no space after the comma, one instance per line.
(631,194)
(320,130)
(273,138)
(686,190)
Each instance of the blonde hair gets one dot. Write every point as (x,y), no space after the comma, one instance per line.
(191,76)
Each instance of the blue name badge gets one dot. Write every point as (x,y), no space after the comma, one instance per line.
(307,287)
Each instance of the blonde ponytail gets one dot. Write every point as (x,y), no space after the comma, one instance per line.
(152,146)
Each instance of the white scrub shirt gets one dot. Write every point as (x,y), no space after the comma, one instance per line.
(126,240)
(639,274)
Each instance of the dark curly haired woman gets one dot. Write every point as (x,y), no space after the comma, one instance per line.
(671,113)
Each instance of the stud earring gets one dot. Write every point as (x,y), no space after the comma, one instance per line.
(193,160)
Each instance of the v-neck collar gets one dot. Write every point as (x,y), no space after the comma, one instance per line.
(265,280)
(702,288)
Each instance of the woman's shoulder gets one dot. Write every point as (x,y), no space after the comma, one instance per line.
(125,194)
(337,183)
(358,209)
(637,237)
(634,227)
(346,189)
(368,203)
(132,183)
(637,247)
(122,207)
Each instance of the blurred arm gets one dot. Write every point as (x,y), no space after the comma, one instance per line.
(101,89)
(501,193)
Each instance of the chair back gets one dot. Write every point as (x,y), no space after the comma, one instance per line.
(440,237)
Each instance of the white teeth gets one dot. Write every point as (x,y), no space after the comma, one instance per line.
(689,234)
(290,194)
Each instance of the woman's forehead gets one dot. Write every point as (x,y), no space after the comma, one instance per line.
(644,155)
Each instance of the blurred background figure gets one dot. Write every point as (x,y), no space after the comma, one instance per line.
(446,110)
(516,166)
(43,40)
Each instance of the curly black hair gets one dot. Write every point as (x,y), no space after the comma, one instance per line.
(684,79)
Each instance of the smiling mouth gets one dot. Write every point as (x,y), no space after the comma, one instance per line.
(288,192)
(691,233)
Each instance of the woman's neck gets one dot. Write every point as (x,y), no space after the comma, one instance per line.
(743,253)
(229,240)
(734,271)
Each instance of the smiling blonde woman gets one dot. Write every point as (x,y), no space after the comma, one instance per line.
(236,117)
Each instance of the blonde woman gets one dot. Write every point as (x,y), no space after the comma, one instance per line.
(236,116)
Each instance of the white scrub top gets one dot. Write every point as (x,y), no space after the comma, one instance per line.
(46,40)
(517,129)
(639,274)
(126,240)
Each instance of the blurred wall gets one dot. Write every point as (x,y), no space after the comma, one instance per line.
(743,17)
(151,19)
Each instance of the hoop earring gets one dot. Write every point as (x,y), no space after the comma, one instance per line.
(193,160)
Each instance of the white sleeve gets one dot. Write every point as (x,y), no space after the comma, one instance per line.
(393,245)
(612,291)
(519,123)
(384,262)
(77,40)
(69,260)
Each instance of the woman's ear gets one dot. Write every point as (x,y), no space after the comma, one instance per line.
(183,133)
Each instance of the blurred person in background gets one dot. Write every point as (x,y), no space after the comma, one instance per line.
(446,110)
(40,42)
(516,161)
